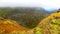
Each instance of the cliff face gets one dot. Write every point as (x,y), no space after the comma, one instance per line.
(51,24)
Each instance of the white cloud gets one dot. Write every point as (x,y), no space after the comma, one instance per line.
(50,3)
(47,4)
(19,2)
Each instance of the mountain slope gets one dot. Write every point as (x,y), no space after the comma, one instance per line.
(28,17)
(51,24)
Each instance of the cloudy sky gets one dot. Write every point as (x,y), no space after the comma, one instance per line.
(47,4)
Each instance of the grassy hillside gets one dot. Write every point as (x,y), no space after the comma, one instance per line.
(20,21)
(51,24)
(7,26)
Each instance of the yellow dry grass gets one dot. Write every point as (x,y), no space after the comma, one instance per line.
(45,24)
(7,26)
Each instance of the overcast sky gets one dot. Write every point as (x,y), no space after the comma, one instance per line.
(47,4)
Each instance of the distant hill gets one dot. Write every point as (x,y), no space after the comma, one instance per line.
(26,16)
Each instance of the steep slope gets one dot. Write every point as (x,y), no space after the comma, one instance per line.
(51,24)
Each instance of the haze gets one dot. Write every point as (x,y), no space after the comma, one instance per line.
(46,4)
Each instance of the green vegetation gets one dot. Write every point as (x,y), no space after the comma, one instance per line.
(38,30)
(51,24)
(55,21)
(55,24)
(28,17)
